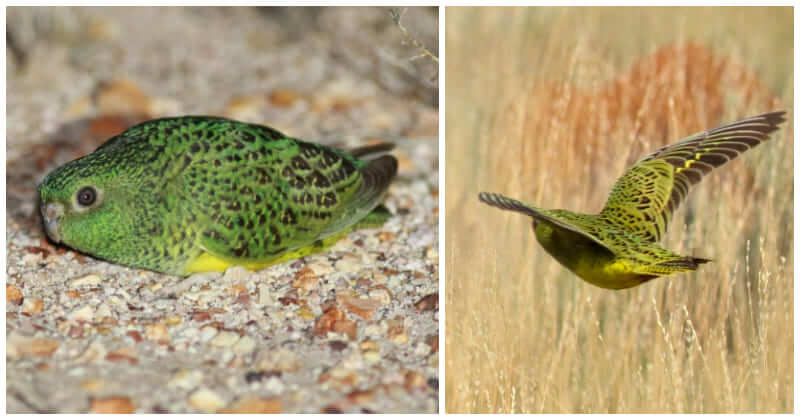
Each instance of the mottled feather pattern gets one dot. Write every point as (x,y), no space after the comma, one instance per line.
(690,159)
(241,192)
(617,248)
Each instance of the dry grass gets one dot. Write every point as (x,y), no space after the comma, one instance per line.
(550,105)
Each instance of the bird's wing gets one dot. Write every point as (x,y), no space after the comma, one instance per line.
(645,197)
(270,197)
(506,203)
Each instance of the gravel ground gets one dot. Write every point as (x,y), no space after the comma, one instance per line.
(354,329)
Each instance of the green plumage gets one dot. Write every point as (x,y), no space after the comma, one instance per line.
(618,248)
(173,191)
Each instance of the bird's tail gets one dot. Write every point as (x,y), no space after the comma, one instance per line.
(506,203)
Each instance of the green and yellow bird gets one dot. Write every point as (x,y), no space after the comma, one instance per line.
(192,194)
(618,248)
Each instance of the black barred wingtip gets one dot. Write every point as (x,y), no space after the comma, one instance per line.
(699,261)
(373,149)
(378,173)
(506,203)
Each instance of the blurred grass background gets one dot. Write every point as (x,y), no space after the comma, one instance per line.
(550,105)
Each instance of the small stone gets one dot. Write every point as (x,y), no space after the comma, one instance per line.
(334,320)
(305,314)
(157,332)
(386,236)
(261,375)
(348,264)
(321,268)
(433,343)
(93,385)
(432,254)
(427,303)
(264,296)
(31,259)
(206,400)
(121,97)
(381,294)
(85,314)
(283,98)
(85,281)
(13,294)
(397,332)
(32,306)
(280,360)
(337,345)
(186,379)
(207,333)
(111,405)
(363,308)
(274,385)
(236,274)
(18,346)
(361,397)
(305,279)
(372,356)
(127,354)
(225,339)
(96,351)
(103,311)
(414,380)
(422,350)
(173,320)
(245,345)
(367,345)
(254,405)
(245,108)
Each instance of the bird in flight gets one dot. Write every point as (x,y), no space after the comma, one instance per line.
(618,248)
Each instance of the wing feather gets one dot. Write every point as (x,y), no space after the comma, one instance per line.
(655,187)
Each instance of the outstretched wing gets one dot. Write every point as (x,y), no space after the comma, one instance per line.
(643,200)
(585,230)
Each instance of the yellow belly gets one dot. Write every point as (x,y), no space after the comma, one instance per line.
(613,275)
(209,262)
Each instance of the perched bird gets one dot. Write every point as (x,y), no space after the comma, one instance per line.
(618,248)
(193,194)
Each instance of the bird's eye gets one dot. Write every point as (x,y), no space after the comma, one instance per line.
(86,196)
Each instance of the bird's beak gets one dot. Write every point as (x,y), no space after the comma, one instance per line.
(51,213)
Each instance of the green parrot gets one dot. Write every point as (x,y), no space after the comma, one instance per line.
(618,248)
(194,194)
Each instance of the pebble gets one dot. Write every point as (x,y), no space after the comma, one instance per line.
(31,259)
(274,385)
(255,405)
(321,268)
(87,280)
(236,274)
(264,296)
(206,400)
(156,332)
(111,405)
(19,346)
(94,353)
(32,306)
(225,339)
(372,356)
(348,264)
(186,379)
(245,345)
(13,294)
(85,313)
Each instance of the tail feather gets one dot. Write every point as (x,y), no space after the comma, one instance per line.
(375,179)
(684,264)
(364,152)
